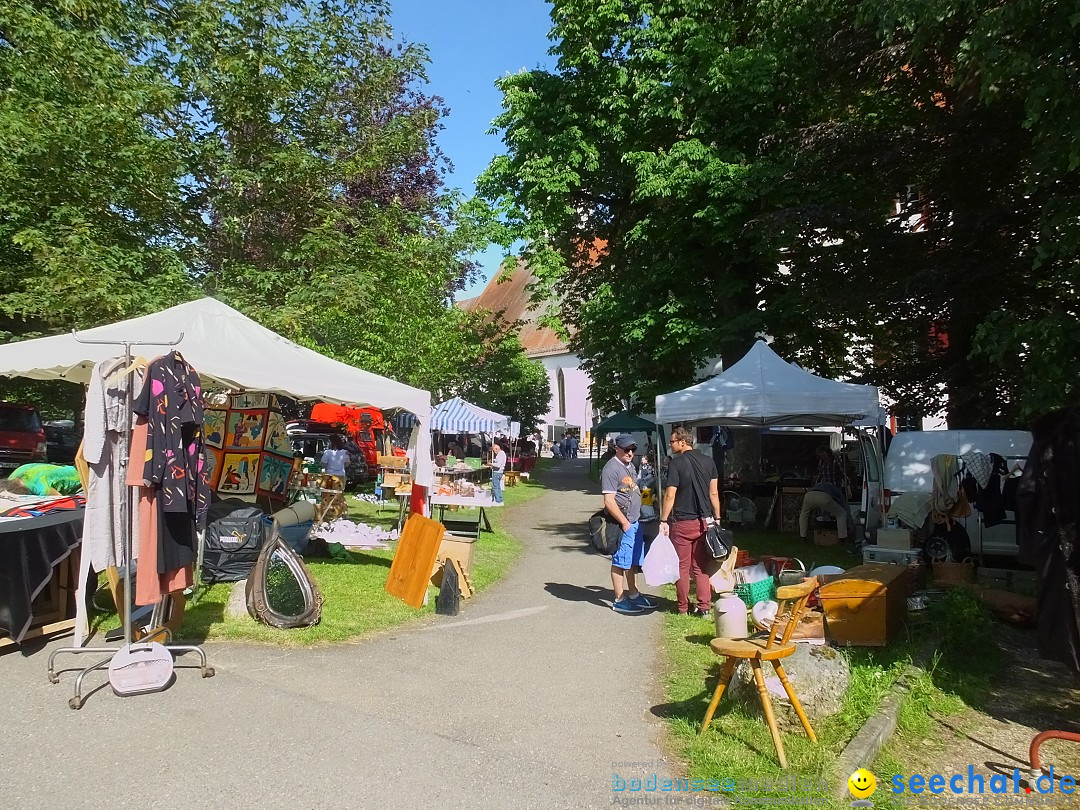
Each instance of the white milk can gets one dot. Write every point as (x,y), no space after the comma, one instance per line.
(729,611)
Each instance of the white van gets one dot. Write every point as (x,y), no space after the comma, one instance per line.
(907,469)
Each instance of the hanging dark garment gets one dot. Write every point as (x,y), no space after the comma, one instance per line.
(171,400)
(1048,499)
(990,500)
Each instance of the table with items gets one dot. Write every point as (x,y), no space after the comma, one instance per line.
(481,502)
(36,574)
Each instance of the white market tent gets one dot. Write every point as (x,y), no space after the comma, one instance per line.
(458,416)
(228,350)
(763,389)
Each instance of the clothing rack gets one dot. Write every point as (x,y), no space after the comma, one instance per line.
(76,702)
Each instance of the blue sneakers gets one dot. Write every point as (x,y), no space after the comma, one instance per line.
(642,601)
(624,605)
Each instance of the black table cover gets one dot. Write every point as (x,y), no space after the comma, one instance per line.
(29,550)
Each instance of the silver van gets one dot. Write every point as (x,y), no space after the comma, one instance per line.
(907,469)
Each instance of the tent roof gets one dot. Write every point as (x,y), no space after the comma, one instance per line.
(458,416)
(763,389)
(623,422)
(226,348)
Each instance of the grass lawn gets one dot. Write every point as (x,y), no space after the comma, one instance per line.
(354,602)
(738,745)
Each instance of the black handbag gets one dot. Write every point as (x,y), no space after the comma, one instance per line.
(717,540)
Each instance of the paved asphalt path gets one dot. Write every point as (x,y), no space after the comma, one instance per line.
(524,700)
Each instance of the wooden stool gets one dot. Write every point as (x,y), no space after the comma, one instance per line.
(792,599)
(511,478)
(333,499)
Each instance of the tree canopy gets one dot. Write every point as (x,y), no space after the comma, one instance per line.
(890,190)
(277,154)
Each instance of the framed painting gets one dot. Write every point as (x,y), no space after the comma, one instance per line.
(245,429)
(277,439)
(239,473)
(274,477)
(250,401)
(213,466)
(214,428)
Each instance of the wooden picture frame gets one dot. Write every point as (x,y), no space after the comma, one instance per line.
(245,430)
(253,401)
(214,427)
(239,473)
(277,438)
(274,477)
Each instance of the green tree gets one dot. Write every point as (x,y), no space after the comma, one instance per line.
(632,171)
(90,210)
(692,173)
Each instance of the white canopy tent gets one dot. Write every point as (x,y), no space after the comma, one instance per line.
(229,350)
(458,416)
(763,389)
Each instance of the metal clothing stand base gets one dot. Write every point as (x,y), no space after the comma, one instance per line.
(158,631)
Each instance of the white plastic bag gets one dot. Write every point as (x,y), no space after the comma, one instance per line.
(661,564)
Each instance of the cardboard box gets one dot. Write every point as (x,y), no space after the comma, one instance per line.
(826,537)
(458,548)
(894,538)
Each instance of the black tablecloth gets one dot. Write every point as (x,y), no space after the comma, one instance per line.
(29,550)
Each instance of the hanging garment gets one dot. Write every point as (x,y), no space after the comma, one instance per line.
(150,584)
(990,499)
(107,422)
(172,404)
(1048,508)
(947,499)
(979,465)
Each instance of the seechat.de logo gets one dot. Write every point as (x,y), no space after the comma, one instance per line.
(862,785)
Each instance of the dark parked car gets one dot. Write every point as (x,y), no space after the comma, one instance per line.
(62,443)
(314,442)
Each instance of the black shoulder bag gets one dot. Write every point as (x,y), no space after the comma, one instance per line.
(718,540)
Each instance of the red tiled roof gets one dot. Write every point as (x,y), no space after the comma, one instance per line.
(507,294)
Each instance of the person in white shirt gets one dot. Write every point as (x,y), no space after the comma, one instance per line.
(498,466)
(335,457)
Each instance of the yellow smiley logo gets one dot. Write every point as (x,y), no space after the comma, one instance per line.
(862,784)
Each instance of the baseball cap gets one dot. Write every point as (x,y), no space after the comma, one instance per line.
(625,441)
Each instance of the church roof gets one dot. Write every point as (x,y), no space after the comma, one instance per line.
(507,294)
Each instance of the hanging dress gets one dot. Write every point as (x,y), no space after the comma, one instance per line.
(107,424)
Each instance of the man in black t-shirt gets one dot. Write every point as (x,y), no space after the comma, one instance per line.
(691,503)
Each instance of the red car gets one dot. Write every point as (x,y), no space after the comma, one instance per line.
(22,436)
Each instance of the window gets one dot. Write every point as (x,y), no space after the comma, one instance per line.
(562,395)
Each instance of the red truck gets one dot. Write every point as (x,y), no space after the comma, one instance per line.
(22,436)
(365,426)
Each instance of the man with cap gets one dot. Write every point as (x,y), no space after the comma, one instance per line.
(622,500)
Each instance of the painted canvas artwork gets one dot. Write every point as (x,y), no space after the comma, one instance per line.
(239,473)
(214,428)
(250,402)
(213,466)
(274,476)
(277,439)
(245,430)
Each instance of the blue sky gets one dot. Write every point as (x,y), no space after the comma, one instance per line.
(472,43)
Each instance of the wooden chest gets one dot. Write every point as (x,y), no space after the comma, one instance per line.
(865,606)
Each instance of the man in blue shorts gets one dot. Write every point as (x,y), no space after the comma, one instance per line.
(622,500)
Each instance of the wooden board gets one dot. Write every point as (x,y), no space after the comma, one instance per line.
(416,553)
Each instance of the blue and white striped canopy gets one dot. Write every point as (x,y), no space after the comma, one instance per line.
(458,416)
